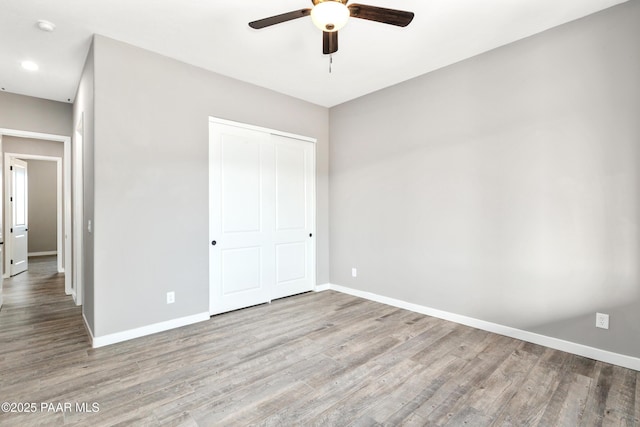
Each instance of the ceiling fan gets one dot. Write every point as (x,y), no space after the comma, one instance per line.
(332,15)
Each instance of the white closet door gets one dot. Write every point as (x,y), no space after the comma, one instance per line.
(261,205)
(294,243)
(241,192)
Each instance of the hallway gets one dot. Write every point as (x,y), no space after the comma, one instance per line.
(36,298)
(40,327)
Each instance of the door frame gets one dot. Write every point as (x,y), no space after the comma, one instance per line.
(215,120)
(76,242)
(66,171)
(8,158)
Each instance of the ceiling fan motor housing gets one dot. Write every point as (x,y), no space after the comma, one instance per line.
(330,15)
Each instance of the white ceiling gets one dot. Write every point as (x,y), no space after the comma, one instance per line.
(287,58)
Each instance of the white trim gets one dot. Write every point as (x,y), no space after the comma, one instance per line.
(45,253)
(60,219)
(314,214)
(76,230)
(555,343)
(34,135)
(67,253)
(148,330)
(261,129)
(323,287)
(89,332)
(59,203)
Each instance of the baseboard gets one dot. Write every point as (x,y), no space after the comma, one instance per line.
(45,253)
(323,287)
(148,330)
(555,343)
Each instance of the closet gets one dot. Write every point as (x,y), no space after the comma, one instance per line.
(261,215)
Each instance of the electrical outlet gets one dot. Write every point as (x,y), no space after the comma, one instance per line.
(602,320)
(354,272)
(171,297)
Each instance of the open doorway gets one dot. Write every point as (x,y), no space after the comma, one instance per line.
(15,144)
(33,209)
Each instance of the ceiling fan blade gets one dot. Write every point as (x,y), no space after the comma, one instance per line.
(329,42)
(381,14)
(277,19)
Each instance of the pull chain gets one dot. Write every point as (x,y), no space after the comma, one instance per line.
(330,62)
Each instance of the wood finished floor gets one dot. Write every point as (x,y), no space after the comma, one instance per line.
(324,359)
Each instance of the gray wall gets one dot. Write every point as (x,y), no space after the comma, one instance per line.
(84,114)
(43,209)
(34,114)
(151,179)
(504,187)
(38,147)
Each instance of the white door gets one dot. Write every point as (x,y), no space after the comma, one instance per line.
(20,212)
(241,189)
(261,217)
(294,204)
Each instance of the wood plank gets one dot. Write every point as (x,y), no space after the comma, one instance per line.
(328,389)
(621,400)
(595,403)
(527,406)
(367,396)
(503,384)
(457,389)
(468,417)
(399,405)
(317,358)
(572,412)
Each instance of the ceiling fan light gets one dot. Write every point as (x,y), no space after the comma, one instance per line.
(29,65)
(330,15)
(46,26)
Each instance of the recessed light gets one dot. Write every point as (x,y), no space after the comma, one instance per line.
(29,65)
(46,25)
